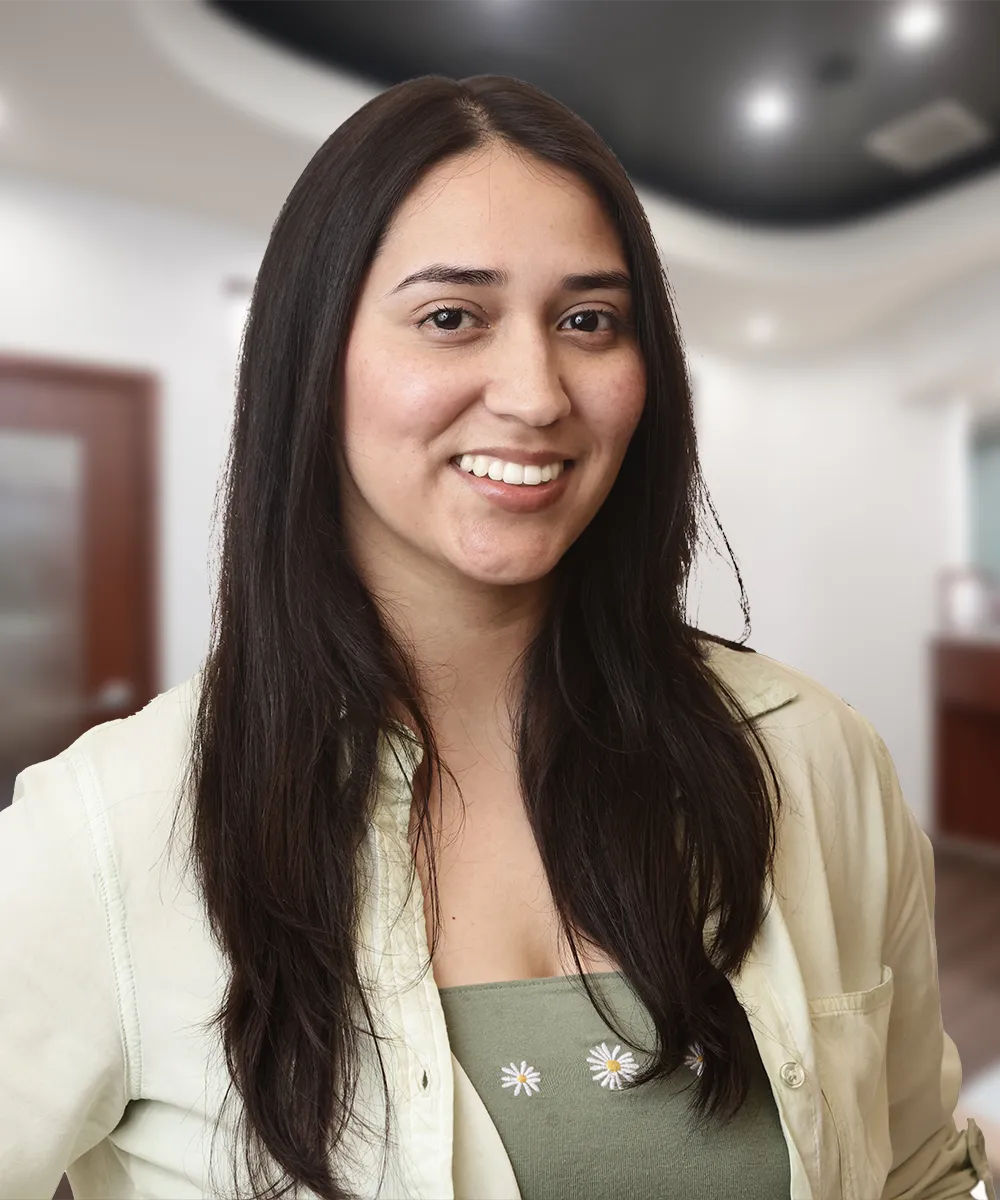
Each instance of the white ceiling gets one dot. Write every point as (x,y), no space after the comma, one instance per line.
(165,102)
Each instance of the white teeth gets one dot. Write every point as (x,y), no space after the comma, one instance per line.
(514,473)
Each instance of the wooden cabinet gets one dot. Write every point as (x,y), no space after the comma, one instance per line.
(966,682)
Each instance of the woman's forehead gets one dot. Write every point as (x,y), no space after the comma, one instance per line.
(499,210)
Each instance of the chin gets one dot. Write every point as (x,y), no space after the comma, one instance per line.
(505,557)
(506,574)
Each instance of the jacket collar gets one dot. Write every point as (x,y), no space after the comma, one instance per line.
(758,682)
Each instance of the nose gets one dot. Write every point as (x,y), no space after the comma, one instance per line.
(525,380)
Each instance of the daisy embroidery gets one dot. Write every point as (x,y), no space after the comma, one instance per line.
(527,1078)
(609,1067)
(695,1059)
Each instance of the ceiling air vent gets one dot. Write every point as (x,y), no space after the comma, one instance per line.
(934,134)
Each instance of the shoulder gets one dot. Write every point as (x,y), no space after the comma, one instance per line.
(844,831)
(838,781)
(82,893)
(790,705)
(144,753)
(115,785)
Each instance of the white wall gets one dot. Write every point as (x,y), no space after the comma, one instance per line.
(842,499)
(88,278)
(833,501)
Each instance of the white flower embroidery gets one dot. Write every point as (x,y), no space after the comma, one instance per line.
(526,1078)
(610,1066)
(695,1059)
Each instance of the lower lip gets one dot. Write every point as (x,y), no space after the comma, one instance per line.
(517,498)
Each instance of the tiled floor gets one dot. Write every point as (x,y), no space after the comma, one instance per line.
(968,933)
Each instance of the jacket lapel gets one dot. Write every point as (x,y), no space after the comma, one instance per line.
(481,1169)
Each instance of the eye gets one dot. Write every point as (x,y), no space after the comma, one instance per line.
(584,321)
(447,318)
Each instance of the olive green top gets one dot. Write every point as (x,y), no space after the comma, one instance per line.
(549,1072)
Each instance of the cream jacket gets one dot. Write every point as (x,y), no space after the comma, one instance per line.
(108,975)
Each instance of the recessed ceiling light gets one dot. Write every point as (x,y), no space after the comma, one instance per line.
(918,22)
(768,108)
(760,328)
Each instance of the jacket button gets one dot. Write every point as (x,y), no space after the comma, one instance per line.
(792,1074)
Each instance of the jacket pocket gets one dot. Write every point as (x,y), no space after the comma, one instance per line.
(850,1033)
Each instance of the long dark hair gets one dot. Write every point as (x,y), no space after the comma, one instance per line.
(650,793)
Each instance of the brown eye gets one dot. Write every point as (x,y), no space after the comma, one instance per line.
(447,319)
(588,320)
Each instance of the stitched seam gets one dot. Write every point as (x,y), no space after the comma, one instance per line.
(846,1160)
(791,1045)
(846,1172)
(114,913)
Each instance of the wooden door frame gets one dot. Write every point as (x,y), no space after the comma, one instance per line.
(145,386)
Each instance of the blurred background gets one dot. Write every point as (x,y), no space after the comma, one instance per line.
(823,181)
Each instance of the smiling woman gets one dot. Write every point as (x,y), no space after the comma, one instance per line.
(491,852)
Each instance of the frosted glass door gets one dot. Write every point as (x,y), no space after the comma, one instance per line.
(41,624)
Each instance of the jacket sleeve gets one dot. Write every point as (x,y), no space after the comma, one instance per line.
(62,1064)
(932,1159)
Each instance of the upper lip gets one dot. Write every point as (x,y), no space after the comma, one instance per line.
(538,458)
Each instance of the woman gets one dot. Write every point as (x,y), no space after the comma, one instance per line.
(466,866)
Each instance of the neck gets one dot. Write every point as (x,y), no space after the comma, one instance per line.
(465,651)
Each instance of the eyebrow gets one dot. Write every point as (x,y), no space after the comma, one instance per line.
(492,277)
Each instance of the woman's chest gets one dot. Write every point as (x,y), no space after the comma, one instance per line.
(498,918)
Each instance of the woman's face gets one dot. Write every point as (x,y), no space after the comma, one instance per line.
(505,351)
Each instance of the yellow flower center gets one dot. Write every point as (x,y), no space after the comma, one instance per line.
(522,1079)
(613,1065)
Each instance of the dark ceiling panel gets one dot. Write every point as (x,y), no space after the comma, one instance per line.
(663,81)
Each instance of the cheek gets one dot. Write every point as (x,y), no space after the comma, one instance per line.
(619,405)
(400,405)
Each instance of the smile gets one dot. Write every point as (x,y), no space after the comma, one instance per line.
(523,497)
(518,474)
